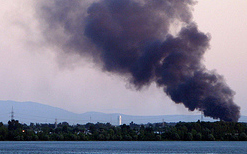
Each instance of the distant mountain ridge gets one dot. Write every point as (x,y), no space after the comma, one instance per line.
(27,112)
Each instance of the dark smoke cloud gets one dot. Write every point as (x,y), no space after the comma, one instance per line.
(133,38)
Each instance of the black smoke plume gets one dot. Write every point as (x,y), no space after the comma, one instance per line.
(134,38)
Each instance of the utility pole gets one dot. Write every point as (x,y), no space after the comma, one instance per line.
(12,114)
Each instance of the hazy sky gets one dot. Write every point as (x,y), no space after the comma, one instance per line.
(30,69)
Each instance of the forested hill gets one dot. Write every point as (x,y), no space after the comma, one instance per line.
(27,112)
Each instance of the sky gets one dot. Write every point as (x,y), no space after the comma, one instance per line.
(30,69)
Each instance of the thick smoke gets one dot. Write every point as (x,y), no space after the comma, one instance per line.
(134,38)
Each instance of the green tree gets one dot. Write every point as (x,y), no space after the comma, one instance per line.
(243,137)
(101,137)
(189,137)
(211,137)
(175,136)
(198,137)
(15,130)
(3,132)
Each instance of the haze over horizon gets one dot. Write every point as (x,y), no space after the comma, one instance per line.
(32,112)
(32,71)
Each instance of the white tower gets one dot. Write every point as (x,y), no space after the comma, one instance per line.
(119,120)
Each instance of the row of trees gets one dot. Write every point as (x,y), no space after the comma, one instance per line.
(199,131)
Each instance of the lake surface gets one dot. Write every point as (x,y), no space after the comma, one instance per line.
(115,147)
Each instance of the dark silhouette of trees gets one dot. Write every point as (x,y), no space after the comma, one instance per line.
(192,131)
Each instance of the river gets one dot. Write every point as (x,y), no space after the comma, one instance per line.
(121,147)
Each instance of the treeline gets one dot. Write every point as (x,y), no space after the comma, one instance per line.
(192,131)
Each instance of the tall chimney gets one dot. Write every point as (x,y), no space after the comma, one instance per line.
(119,120)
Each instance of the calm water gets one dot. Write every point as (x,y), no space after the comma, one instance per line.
(113,147)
